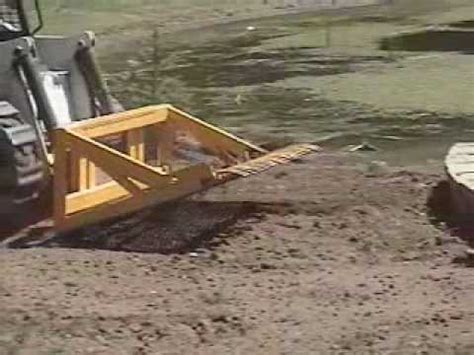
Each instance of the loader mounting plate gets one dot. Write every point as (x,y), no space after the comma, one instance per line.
(118,164)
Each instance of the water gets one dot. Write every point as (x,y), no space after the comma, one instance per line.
(444,39)
(263,82)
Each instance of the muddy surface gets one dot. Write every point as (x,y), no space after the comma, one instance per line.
(313,78)
(349,260)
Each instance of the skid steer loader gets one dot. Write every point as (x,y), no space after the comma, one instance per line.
(62,134)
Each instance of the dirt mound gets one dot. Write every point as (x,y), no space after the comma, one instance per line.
(173,228)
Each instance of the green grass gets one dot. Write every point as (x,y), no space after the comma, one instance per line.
(68,16)
(104,16)
(429,81)
(121,18)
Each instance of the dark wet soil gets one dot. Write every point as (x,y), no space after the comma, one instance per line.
(172,229)
(463,24)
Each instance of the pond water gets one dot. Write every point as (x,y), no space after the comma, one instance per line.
(269,81)
(443,40)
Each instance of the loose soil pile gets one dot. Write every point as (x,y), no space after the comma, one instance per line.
(325,256)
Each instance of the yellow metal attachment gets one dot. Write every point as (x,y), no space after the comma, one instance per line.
(118,164)
(270,160)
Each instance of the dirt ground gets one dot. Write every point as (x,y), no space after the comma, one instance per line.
(335,254)
(326,256)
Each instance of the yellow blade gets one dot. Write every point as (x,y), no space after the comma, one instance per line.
(270,160)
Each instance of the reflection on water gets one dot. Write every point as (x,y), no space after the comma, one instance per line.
(229,78)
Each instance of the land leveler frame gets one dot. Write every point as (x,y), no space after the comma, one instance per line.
(118,164)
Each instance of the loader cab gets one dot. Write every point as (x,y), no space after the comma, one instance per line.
(19,18)
(60,73)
